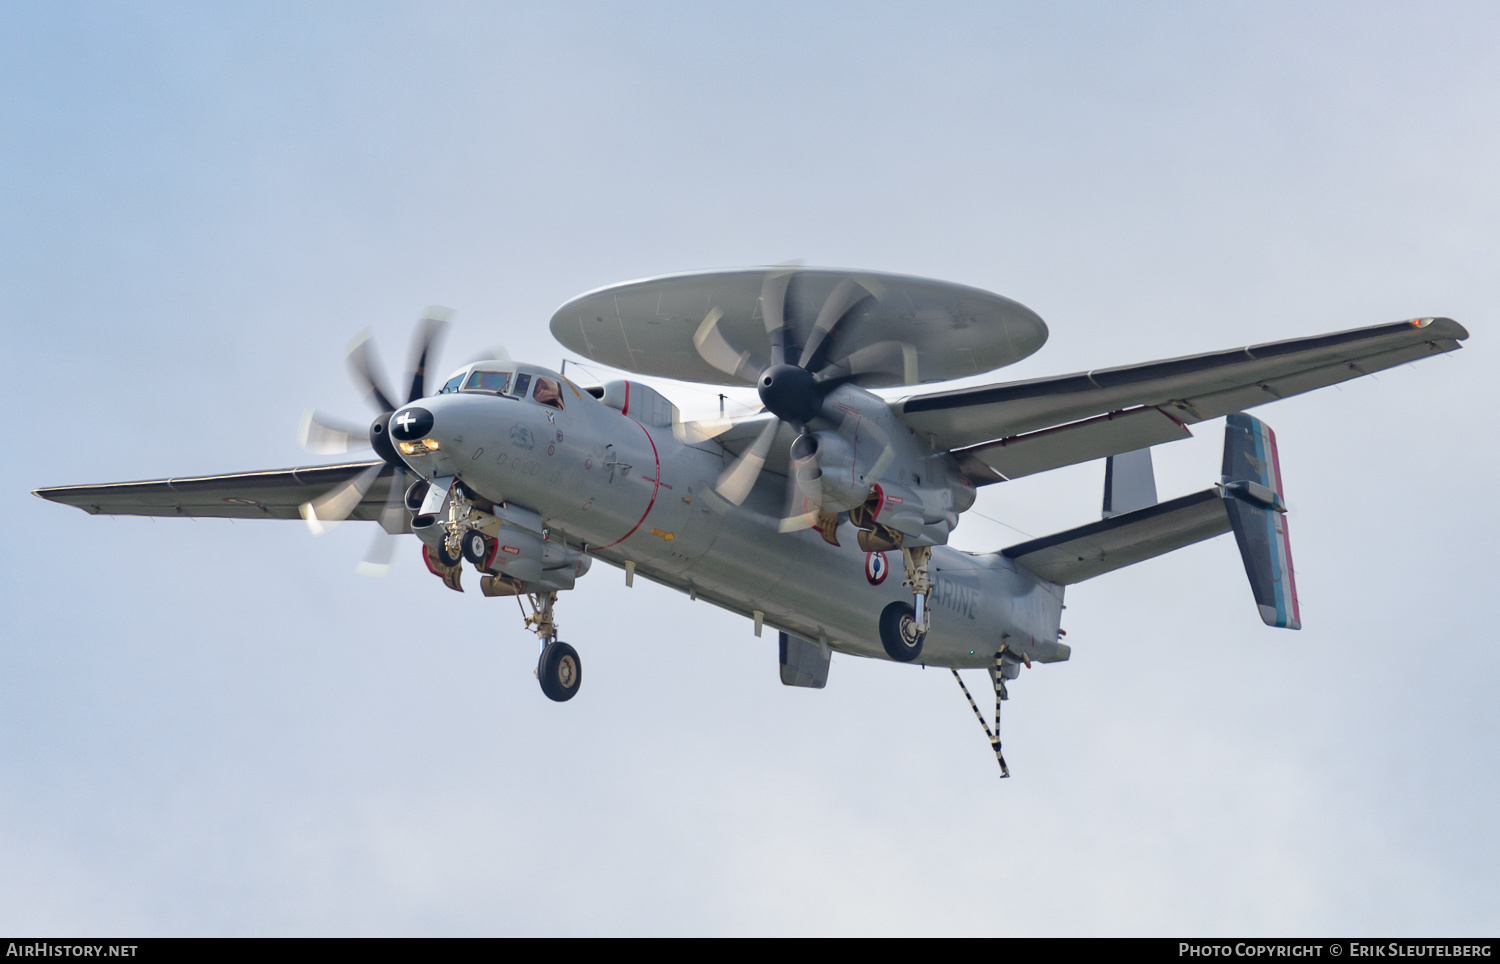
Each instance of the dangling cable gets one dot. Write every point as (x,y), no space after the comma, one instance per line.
(975,707)
(999,695)
(992,736)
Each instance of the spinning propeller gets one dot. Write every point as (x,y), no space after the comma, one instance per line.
(326,435)
(796,392)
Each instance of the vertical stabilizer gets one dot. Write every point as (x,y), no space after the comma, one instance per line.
(1129,482)
(1253,495)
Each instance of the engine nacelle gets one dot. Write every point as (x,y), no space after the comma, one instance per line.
(827,468)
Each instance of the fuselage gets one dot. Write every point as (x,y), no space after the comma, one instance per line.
(621,486)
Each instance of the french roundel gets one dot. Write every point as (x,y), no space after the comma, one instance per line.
(876,566)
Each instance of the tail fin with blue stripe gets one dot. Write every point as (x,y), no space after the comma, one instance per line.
(1253,496)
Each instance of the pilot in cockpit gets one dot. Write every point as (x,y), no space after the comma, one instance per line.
(547,392)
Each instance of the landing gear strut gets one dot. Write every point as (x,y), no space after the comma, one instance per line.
(918,581)
(558,669)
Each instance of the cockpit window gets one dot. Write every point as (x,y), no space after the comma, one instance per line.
(523,382)
(487,382)
(547,392)
(451,385)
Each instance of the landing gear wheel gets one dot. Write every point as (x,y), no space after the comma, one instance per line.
(445,557)
(476,547)
(900,633)
(560,671)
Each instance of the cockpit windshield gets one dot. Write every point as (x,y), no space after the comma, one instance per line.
(483,381)
(451,385)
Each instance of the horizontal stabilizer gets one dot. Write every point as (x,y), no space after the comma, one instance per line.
(1123,540)
(1257,512)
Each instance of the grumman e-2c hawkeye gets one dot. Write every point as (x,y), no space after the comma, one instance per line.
(796,517)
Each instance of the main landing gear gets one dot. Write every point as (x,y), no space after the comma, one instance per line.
(903,626)
(558,669)
(918,581)
(877,537)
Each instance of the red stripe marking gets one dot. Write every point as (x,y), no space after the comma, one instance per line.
(655,486)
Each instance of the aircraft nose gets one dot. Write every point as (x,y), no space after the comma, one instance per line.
(429,433)
(412,423)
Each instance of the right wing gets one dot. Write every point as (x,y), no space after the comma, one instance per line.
(273,494)
(979,422)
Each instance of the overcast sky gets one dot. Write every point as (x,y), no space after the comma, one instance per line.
(219,728)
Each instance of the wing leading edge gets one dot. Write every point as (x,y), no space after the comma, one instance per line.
(974,422)
(271,494)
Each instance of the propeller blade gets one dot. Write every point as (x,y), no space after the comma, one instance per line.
(883,357)
(377,561)
(701,430)
(393,519)
(737,481)
(366,371)
(845,295)
(773,311)
(393,515)
(804,484)
(424,345)
(335,505)
(804,500)
(715,349)
(495,353)
(330,436)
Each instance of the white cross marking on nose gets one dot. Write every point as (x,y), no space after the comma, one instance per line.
(406,419)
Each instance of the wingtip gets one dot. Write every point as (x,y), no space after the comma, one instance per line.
(1446,327)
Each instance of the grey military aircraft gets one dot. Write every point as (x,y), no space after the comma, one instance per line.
(826,515)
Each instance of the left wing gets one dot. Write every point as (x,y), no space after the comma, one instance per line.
(1046,423)
(273,494)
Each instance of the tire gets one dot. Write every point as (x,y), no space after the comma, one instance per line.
(560,672)
(476,547)
(898,632)
(442,556)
